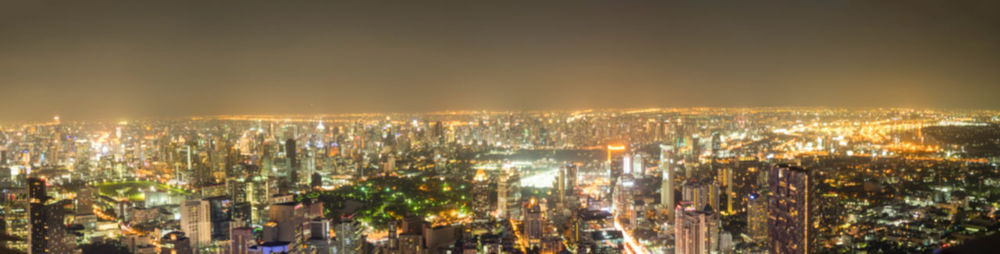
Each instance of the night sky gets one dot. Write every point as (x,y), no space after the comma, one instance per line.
(113,60)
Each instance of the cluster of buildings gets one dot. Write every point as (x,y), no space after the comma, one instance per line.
(597,181)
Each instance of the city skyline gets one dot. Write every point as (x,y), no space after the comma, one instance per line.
(700,180)
(499,127)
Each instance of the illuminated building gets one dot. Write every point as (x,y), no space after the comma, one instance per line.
(316,181)
(84,201)
(195,221)
(533,223)
(293,162)
(241,239)
(560,185)
(39,237)
(667,183)
(6,176)
(619,165)
(258,193)
(701,193)
(319,236)
(56,239)
(480,191)
(221,213)
(349,238)
(716,144)
(176,243)
(509,193)
(757,217)
(696,231)
(617,162)
(638,169)
(284,223)
(15,217)
(570,176)
(789,221)
(726,178)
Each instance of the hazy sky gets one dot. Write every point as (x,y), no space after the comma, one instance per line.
(96,59)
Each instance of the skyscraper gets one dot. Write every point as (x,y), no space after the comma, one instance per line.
(509,193)
(667,184)
(38,238)
(533,223)
(196,222)
(221,214)
(241,239)
(727,179)
(701,194)
(757,217)
(788,208)
(696,231)
(15,217)
(293,162)
(571,176)
(618,164)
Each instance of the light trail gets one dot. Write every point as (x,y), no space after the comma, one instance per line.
(520,239)
(633,245)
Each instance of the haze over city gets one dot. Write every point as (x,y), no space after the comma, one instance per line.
(121,59)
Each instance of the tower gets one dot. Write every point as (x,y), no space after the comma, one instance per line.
(617,166)
(701,194)
(757,217)
(533,223)
(667,183)
(788,210)
(696,230)
(195,221)
(293,163)
(38,238)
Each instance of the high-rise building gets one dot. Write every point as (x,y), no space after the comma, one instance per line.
(15,219)
(789,221)
(316,181)
(221,214)
(667,182)
(349,238)
(571,176)
(85,201)
(319,236)
(560,185)
(196,221)
(696,231)
(6,176)
(533,223)
(618,165)
(509,193)
(638,169)
(480,193)
(757,217)
(286,219)
(293,162)
(701,194)
(55,228)
(176,243)
(241,239)
(726,178)
(716,144)
(38,223)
